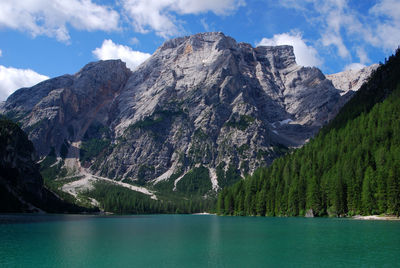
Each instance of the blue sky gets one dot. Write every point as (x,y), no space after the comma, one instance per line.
(48,38)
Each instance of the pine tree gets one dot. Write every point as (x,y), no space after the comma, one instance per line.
(393,193)
(368,192)
(314,196)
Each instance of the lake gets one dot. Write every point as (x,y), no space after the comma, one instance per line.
(195,241)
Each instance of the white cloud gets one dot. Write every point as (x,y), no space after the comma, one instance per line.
(12,79)
(336,40)
(158,15)
(51,17)
(338,22)
(1,53)
(387,31)
(205,25)
(362,55)
(134,41)
(110,50)
(354,66)
(335,15)
(305,55)
(389,8)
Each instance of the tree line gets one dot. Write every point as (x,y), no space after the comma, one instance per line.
(120,200)
(351,167)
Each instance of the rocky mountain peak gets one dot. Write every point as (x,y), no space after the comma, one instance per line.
(279,56)
(351,80)
(199,101)
(198,41)
(102,67)
(216,42)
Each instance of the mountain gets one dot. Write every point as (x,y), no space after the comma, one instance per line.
(21,185)
(351,80)
(351,167)
(202,111)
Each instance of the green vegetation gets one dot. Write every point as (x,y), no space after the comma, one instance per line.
(71,131)
(23,177)
(51,171)
(12,135)
(154,119)
(15,116)
(95,142)
(15,148)
(95,146)
(117,199)
(55,176)
(147,122)
(242,124)
(351,167)
(95,130)
(143,173)
(35,125)
(280,149)
(202,149)
(228,177)
(189,196)
(243,149)
(64,149)
(165,187)
(199,135)
(380,84)
(195,182)
(92,148)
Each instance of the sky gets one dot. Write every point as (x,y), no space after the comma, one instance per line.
(41,39)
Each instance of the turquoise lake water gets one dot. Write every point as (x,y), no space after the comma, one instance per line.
(196,241)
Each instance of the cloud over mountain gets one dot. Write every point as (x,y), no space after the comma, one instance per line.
(159,15)
(305,55)
(109,50)
(12,79)
(345,26)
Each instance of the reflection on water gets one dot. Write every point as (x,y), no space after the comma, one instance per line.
(213,241)
(194,241)
(34,218)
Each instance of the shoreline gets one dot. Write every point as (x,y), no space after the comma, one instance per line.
(376,217)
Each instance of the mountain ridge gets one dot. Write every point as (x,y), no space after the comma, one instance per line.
(200,100)
(351,80)
(351,167)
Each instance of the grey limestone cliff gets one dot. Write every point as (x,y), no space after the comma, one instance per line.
(351,80)
(198,100)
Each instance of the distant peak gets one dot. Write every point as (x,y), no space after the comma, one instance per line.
(197,39)
(283,52)
(103,64)
(286,49)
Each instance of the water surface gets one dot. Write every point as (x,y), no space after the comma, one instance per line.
(195,241)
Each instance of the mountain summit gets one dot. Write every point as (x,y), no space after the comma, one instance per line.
(200,101)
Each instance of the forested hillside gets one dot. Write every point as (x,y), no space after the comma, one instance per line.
(21,185)
(351,167)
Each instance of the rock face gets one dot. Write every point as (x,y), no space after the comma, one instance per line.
(21,185)
(62,108)
(199,100)
(351,80)
(309,213)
